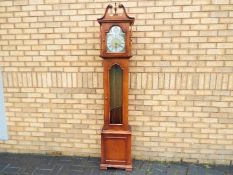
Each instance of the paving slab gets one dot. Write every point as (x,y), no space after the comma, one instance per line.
(26,164)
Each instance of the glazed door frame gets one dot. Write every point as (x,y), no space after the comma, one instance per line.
(108,63)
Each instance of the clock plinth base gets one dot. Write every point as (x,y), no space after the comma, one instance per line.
(127,168)
(116,149)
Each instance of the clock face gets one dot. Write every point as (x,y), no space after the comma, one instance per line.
(115,40)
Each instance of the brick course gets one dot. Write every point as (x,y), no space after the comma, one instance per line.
(180,80)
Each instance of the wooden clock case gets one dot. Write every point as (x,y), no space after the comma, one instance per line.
(116,138)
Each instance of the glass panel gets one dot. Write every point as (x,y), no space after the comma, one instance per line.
(116,40)
(116,85)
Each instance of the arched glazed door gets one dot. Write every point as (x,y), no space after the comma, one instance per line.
(116,94)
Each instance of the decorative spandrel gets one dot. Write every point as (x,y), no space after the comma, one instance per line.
(115,40)
(116,90)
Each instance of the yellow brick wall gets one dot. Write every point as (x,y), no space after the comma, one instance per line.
(180,86)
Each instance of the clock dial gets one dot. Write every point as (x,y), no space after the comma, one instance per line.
(116,40)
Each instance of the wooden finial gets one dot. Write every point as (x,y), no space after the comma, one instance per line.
(115,9)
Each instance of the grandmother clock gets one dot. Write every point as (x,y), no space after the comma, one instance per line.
(115,49)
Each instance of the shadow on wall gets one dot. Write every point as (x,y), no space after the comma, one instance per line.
(3,124)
